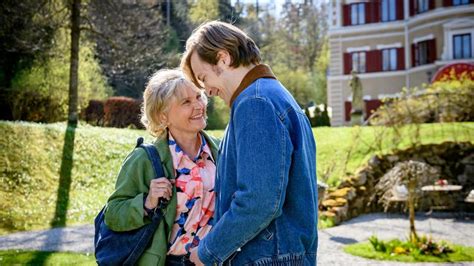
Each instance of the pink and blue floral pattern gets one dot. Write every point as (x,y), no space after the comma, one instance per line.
(195,192)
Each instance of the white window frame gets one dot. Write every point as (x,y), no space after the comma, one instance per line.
(456,27)
(454,35)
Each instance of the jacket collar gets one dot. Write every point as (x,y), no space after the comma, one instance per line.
(165,154)
(259,71)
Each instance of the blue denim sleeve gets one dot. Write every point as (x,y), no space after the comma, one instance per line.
(263,156)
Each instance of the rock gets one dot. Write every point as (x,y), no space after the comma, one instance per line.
(346,192)
(329,215)
(392,158)
(468,159)
(331,203)
(374,161)
(341,201)
(360,178)
(341,212)
(358,204)
(435,160)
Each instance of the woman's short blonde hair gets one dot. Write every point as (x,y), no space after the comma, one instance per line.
(161,88)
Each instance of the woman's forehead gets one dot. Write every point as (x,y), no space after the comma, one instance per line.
(186,89)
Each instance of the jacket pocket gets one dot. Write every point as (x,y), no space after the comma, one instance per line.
(149,258)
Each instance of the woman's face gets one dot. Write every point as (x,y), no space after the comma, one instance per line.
(187,111)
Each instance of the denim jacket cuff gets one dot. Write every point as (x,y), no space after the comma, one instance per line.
(206,257)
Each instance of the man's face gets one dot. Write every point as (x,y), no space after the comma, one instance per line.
(209,76)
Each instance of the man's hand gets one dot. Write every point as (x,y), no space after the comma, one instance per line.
(195,258)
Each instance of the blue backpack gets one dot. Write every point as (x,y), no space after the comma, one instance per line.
(125,248)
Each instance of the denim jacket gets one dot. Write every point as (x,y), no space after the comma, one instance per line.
(266,187)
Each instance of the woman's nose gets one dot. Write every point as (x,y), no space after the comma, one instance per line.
(198,105)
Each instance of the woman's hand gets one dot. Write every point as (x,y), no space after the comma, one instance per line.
(159,188)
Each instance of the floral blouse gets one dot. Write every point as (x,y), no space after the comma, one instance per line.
(195,194)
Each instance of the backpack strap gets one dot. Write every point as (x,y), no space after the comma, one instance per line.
(155,159)
(153,155)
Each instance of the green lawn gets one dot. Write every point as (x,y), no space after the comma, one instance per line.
(366,250)
(32,158)
(21,257)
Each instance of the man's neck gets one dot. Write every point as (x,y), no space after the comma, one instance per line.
(236,75)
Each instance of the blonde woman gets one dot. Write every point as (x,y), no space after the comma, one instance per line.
(174,111)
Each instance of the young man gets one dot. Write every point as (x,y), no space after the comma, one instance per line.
(266,188)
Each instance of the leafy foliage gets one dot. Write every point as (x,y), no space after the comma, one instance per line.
(204,10)
(26,33)
(122,112)
(94,113)
(46,83)
(218,114)
(131,41)
(292,45)
(366,250)
(443,101)
(424,246)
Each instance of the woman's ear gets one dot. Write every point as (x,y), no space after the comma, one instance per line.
(163,119)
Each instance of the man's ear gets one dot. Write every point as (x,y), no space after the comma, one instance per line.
(224,57)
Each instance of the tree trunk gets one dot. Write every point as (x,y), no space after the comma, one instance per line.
(73,71)
(411,206)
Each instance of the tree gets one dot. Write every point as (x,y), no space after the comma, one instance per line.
(73,71)
(294,45)
(132,42)
(26,32)
(203,10)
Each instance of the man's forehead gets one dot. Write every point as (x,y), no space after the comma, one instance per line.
(195,62)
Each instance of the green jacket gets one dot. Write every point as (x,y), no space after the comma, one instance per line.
(124,210)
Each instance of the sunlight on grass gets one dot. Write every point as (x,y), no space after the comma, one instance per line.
(33,160)
(21,257)
(365,249)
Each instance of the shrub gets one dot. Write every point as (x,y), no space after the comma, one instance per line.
(40,92)
(424,246)
(31,105)
(444,101)
(94,113)
(217,114)
(122,112)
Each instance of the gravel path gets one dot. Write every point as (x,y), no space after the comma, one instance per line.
(331,240)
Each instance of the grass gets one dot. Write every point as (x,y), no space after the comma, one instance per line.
(366,250)
(341,151)
(22,257)
(32,165)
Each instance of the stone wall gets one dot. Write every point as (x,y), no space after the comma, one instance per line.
(364,192)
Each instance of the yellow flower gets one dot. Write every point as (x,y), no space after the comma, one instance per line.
(399,250)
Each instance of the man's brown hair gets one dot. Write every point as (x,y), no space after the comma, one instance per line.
(210,38)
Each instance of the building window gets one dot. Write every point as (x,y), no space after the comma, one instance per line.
(422,5)
(462,46)
(460,2)
(389,10)
(424,52)
(389,57)
(421,53)
(358,62)
(358,14)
